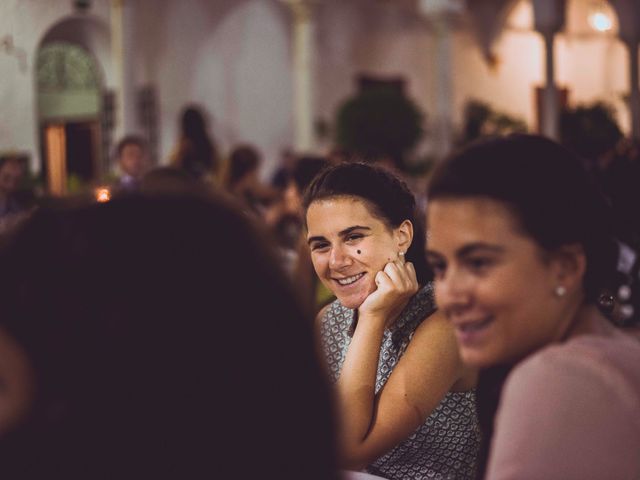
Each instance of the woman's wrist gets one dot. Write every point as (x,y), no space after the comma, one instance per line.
(372,320)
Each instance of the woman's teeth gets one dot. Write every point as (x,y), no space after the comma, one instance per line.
(349,280)
(475,326)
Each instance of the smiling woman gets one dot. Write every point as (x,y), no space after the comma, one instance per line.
(520,247)
(406,404)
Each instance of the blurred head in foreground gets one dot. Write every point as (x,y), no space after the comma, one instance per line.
(155,338)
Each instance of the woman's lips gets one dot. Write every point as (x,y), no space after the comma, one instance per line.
(348,281)
(472,332)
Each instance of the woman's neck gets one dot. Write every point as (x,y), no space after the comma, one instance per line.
(589,320)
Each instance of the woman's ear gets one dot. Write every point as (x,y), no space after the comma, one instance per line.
(404,235)
(570,265)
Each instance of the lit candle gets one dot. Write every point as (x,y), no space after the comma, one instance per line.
(103,194)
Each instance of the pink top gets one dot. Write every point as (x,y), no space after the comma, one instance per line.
(571,411)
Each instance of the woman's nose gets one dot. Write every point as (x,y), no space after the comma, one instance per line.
(339,257)
(452,291)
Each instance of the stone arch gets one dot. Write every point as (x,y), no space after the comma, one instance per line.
(88,32)
(72,75)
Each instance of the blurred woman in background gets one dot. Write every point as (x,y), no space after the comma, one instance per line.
(196,151)
(519,242)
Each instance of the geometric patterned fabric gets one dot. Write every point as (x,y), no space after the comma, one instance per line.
(446,445)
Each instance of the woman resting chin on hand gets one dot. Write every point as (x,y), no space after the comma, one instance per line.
(406,404)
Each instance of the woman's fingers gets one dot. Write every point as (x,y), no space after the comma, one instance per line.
(383,280)
(395,285)
(411,272)
(402,275)
(393,270)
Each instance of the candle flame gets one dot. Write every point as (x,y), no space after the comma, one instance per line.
(103,194)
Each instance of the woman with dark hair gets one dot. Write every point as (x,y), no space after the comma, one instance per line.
(243,181)
(405,402)
(519,242)
(196,152)
(128,349)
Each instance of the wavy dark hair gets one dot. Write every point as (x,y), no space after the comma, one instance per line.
(199,152)
(388,197)
(549,191)
(166,343)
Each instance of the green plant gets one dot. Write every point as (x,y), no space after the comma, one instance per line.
(590,130)
(420,166)
(76,184)
(480,119)
(379,123)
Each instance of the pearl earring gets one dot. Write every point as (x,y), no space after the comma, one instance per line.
(560,291)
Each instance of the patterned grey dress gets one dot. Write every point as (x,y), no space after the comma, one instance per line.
(445,447)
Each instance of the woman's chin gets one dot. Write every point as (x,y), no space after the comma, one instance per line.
(355,299)
(350,303)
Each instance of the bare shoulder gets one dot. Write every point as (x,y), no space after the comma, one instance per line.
(433,349)
(434,341)
(435,330)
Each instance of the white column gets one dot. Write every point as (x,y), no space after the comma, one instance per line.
(550,104)
(122,58)
(441,13)
(444,92)
(303,73)
(549,19)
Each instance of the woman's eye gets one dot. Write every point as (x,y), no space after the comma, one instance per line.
(438,269)
(319,246)
(354,236)
(479,264)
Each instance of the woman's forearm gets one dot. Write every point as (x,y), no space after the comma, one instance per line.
(356,388)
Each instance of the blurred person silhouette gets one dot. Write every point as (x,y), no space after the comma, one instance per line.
(243,181)
(287,219)
(282,173)
(405,401)
(302,173)
(196,152)
(132,156)
(12,171)
(619,178)
(155,338)
(172,181)
(12,207)
(520,243)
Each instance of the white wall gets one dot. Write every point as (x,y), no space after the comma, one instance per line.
(592,65)
(374,38)
(232,57)
(362,36)
(26,21)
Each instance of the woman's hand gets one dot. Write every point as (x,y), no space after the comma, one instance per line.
(396,284)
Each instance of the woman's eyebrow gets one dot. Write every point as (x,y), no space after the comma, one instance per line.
(317,238)
(341,233)
(472,248)
(347,231)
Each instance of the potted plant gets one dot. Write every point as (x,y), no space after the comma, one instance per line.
(379,123)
